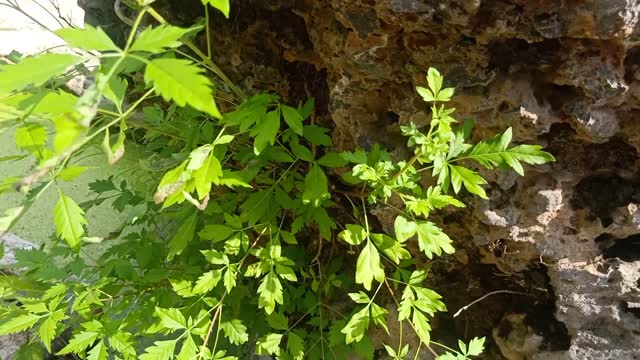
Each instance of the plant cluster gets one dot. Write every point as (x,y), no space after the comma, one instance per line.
(237,241)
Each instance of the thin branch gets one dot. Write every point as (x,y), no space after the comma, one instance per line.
(486,296)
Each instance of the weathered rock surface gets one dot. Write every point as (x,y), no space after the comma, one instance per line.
(562,73)
(565,239)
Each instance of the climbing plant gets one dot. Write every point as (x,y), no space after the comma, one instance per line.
(245,232)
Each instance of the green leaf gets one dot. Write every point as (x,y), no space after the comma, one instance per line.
(426,94)
(435,80)
(171,318)
(270,292)
(207,281)
(69,220)
(235,331)
(79,342)
(293,118)
(432,240)
(157,39)
(89,38)
(317,135)
(216,232)
(404,229)
(476,346)
(391,248)
(71,172)
(222,5)
(266,131)
(295,346)
(11,215)
(316,189)
(47,331)
(31,137)
(19,323)
(40,69)
(434,200)
(229,278)
(357,326)
(421,324)
(469,178)
(495,153)
(209,173)
(182,81)
(99,352)
(332,159)
(368,266)
(189,349)
(115,90)
(360,297)
(269,344)
(278,321)
(161,350)
(183,236)
(353,234)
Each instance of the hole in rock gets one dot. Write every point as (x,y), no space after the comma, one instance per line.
(627,249)
(601,194)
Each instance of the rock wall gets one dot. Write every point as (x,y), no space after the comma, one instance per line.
(559,248)
(561,73)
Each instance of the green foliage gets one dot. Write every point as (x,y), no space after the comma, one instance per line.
(232,244)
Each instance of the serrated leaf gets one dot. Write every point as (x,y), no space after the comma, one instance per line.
(357,326)
(47,331)
(368,266)
(189,349)
(98,352)
(278,321)
(182,81)
(157,39)
(266,131)
(495,153)
(171,318)
(269,344)
(216,232)
(295,346)
(222,5)
(476,346)
(207,281)
(31,137)
(19,323)
(353,234)
(421,324)
(79,342)
(69,220)
(316,189)
(229,278)
(270,292)
(235,331)
(432,240)
(469,178)
(317,135)
(161,350)
(40,69)
(89,38)
(183,236)
(293,118)
(209,173)
(391,248)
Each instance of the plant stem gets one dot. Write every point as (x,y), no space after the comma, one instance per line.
(204,58)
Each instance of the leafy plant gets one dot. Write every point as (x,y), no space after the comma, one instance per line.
(234,248)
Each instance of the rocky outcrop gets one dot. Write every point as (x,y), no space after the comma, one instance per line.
(561,73)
